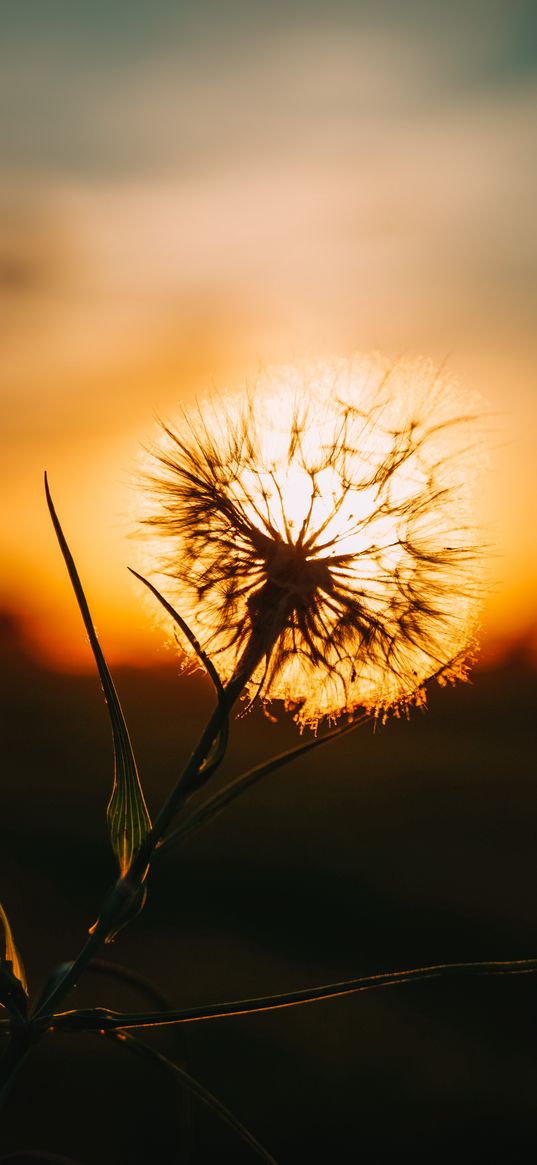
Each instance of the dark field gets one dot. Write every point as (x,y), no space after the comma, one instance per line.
(409,845)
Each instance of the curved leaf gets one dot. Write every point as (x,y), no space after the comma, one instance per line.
(133,979)
(220,800)
(187,632)
(127,815)
(217,754)
(148,1053)
(9,952)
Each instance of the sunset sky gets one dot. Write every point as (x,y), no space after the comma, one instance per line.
(191,192)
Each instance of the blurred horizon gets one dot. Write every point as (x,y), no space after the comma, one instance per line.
(191,192)
(23,650)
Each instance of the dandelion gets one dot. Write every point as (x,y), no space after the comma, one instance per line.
(320,534)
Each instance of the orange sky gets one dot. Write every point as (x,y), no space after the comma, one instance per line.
(180,205)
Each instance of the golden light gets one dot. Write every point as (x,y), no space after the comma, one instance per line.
(328,514)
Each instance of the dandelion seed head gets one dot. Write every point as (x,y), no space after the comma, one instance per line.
(330,511)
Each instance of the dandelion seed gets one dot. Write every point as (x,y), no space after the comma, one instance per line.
(326,516)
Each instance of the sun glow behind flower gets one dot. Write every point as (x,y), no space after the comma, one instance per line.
(326,514)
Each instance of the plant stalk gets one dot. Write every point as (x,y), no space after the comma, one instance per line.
(116,900)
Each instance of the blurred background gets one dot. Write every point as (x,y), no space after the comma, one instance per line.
(189,193)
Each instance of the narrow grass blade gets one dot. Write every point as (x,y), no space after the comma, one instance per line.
(220,800)
(147,1053)
(9,952)
(216,804)
(217,755)
(14,998)
(127,815)
(102,1019)
(187,632)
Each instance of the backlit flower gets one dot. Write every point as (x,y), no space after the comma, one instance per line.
(326,516)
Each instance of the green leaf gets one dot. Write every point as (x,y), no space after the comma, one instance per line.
(127,815)
(8,951)
(148,1053)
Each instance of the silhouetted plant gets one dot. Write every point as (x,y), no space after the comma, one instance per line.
(318,535)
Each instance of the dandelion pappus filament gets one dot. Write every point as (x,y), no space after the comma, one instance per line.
(328,512)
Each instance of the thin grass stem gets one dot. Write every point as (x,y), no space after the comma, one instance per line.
(101,1019)
(148,1053)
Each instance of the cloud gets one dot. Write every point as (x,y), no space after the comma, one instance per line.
(89,90)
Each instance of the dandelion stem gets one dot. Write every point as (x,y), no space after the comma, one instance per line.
(218,802)
(138,869)
(93,943)
(256,648)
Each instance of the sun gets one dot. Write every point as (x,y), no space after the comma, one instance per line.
(321,527)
